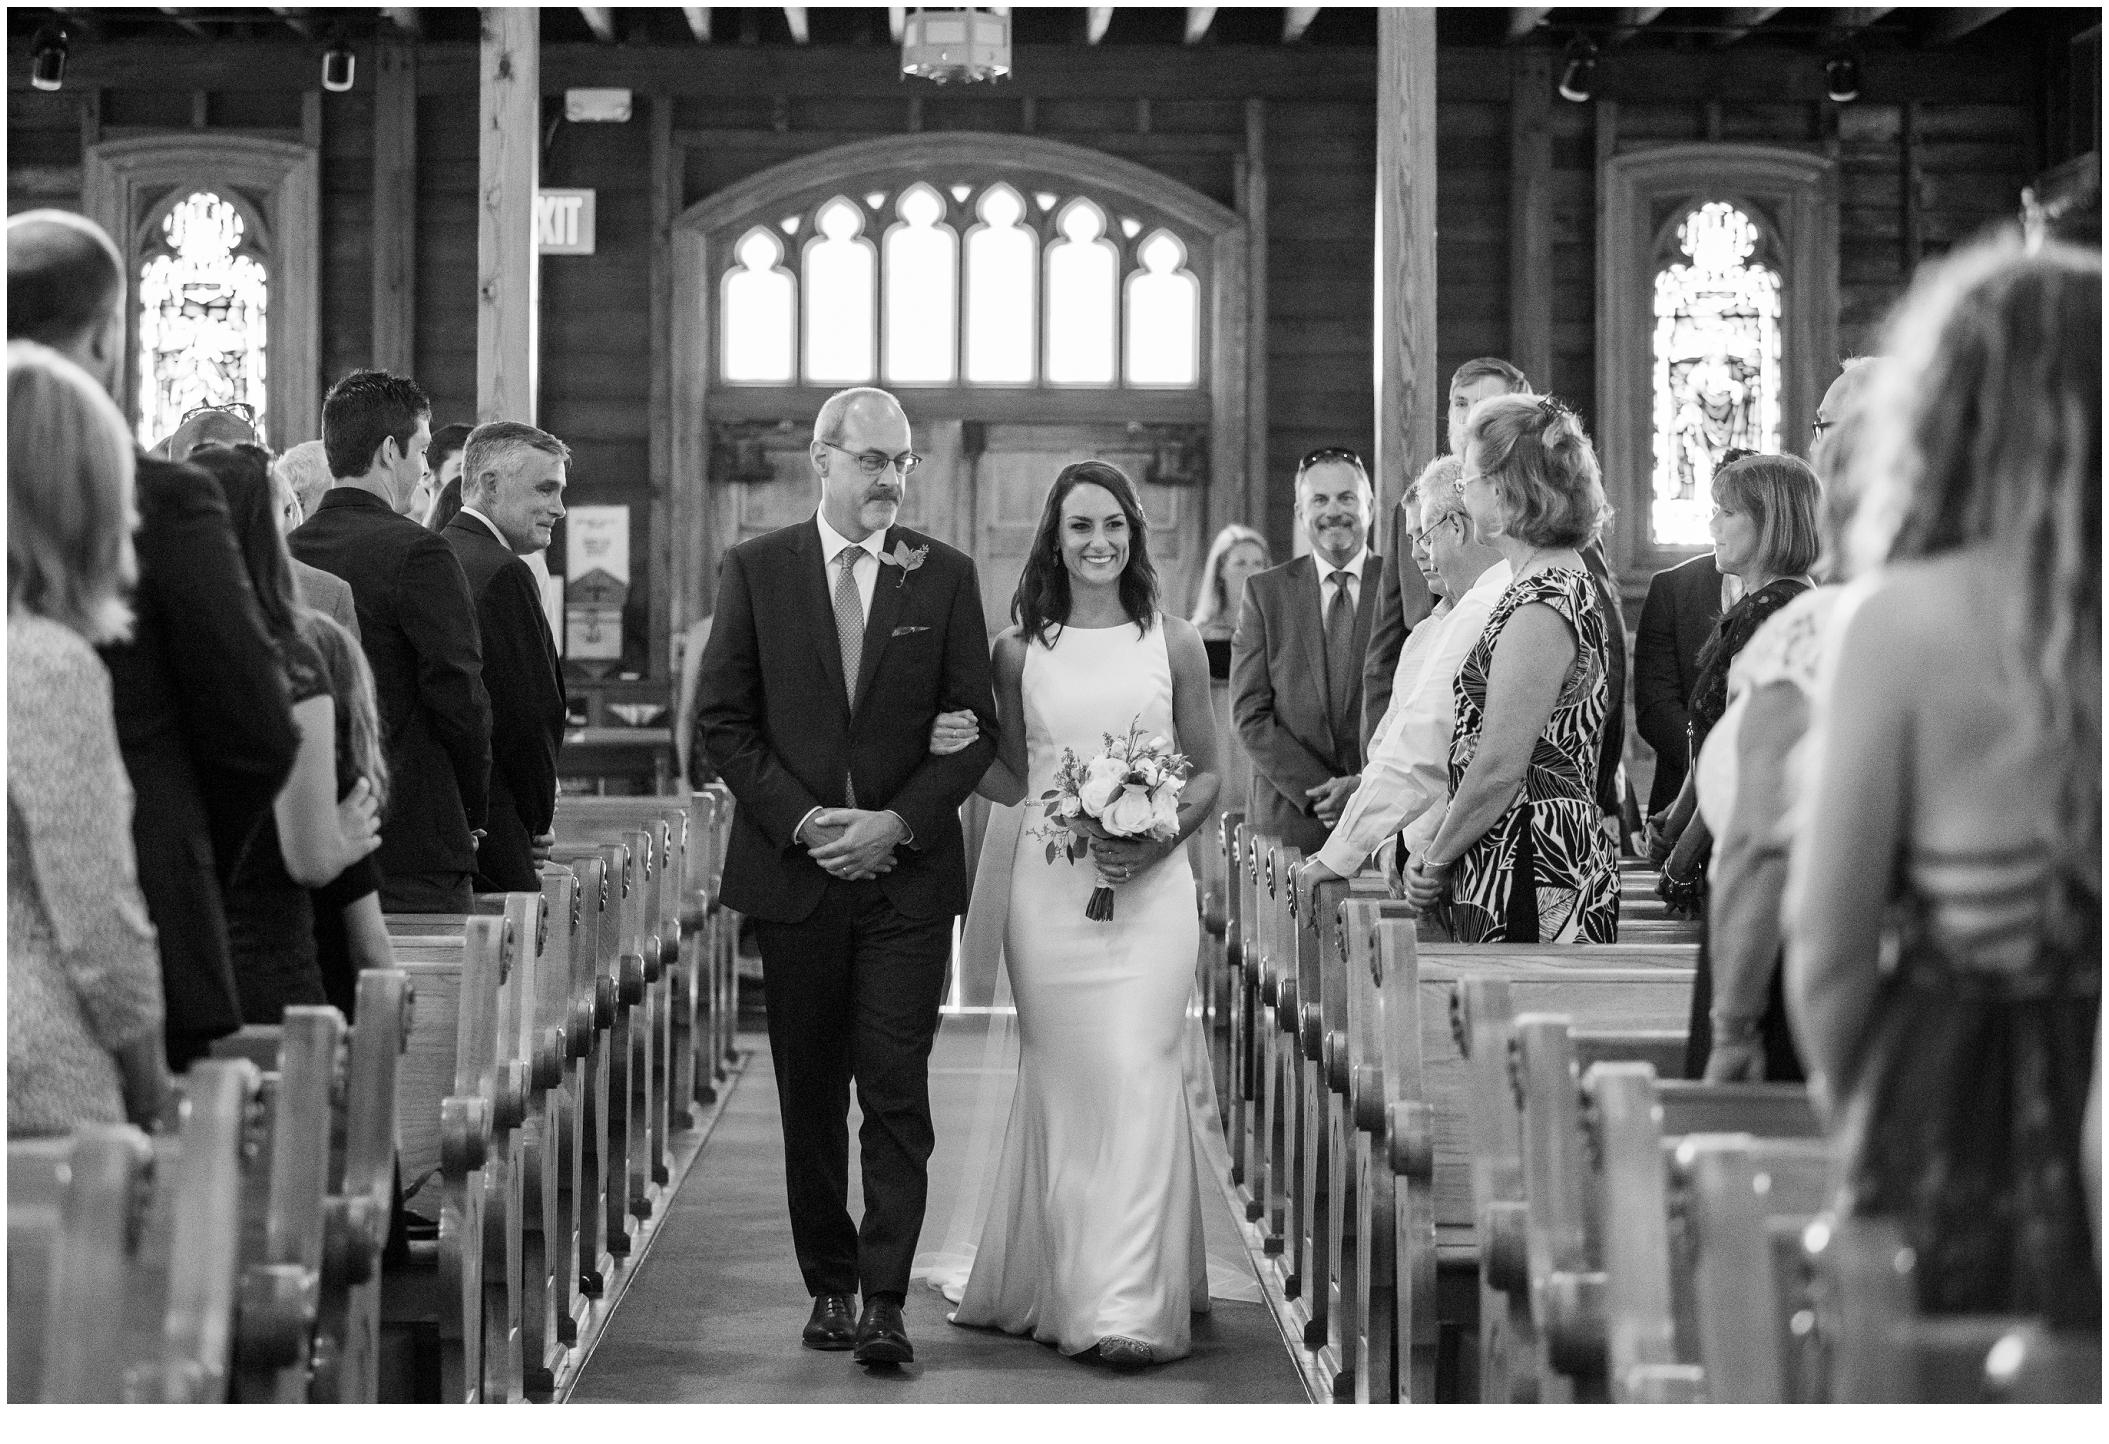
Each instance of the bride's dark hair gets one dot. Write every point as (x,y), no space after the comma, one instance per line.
(1041,605)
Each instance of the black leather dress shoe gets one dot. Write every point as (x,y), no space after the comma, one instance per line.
(833,1323)
(882,1335)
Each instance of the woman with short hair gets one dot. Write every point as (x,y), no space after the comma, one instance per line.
(84,1003)
(1521,856)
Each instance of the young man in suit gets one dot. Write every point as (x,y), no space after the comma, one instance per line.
(835,644)
(513,484)
(1296,661)
(418,627)
(1683,605)
(200,701)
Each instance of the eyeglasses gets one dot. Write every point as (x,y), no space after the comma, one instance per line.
(1464,479)
(1818,427)
(1330,453)
(874,463)
(233,408)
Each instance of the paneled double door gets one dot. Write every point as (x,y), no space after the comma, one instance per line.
(981,488)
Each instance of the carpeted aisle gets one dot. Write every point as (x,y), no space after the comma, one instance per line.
(714,1314)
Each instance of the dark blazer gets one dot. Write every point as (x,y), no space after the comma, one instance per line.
(1279,699)
(525,680)
(418,626)
(1679,615)
(1608,798)
(205,730)
(773,713)
(1403,602)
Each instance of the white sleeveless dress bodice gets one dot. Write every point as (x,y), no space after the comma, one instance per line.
(1094,1226)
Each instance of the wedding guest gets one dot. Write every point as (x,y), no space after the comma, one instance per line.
(1683,605)
(350,933)
(512,484)
(84,1003)
(1944,900)
(316,588)
(309,838)
(1296,662)
(1745,787)
(306,468)
(201,709)
(1236,556)
(443,461)
(418,625)
(1521,855)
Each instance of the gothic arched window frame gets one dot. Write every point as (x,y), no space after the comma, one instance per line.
(151,242)
(1792,195)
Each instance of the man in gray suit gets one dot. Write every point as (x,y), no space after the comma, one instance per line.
(1296,661)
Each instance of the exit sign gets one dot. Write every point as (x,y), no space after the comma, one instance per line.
(564,223)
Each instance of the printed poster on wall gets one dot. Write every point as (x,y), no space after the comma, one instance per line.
(597,564)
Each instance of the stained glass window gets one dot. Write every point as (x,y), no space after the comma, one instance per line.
(922,290)
(1002,299)
(203,292)
(1083,269)
(842,299)
(1716,364)
(1163,304)
(759,300)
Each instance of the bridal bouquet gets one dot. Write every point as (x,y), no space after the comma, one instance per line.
(1130,788)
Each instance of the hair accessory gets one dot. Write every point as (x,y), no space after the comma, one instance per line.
(1551,408)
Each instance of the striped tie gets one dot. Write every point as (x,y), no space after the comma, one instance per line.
(849,630)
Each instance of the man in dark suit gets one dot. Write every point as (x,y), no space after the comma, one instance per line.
(1403,598)
(1683,605)
(200,701)
(513,482)
(823,674)
(1296,661)
(418,627)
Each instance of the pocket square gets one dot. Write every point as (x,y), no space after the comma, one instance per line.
(908,631)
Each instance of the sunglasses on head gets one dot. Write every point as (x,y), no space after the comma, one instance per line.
(233,408)
(1331,453)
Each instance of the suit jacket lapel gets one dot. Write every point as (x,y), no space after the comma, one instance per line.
(1310,624)
(887,595)
(1366,604)
(816,601)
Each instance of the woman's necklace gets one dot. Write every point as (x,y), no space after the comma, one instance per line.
(1524,570)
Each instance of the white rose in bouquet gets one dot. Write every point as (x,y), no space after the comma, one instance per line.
(1164,813)
(1130,813)
(1102,779)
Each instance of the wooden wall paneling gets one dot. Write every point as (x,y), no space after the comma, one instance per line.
(311,118)
(509,136)
(1530,219)
(1251,508)
(671,602)
(395,209)
(688,430)
(1405,252)
(1908,179)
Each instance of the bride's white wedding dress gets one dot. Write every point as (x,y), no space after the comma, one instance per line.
(1093,1228)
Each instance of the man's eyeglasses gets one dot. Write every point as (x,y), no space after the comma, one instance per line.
(233,408)
(1818,427)
(1464,479)
(874,463)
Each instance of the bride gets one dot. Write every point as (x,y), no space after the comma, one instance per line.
(1093,1238)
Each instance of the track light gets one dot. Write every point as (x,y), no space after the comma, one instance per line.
(339,65)
(47,58)
(1580,74)
(1841,78)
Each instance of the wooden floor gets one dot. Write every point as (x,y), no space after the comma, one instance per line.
(713,1312)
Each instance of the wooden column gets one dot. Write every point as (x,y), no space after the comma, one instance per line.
(1252,506)
(508,153)
(395,210)
(1530,222)
(1407,384)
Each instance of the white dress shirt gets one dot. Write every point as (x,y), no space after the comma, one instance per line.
(832,545)
(1406,777)
(471,511)
(1325,582)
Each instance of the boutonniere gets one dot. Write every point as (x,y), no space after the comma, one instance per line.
(905,558)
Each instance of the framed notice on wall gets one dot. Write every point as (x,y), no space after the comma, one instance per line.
(597,582)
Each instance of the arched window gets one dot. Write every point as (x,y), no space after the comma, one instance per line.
(1002,297)
(204,290)
(1083,269)
(1164,303)
(841,300)
(922,290)
(760,300)
(1716,355)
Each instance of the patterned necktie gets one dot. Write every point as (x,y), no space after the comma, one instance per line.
(1340,651)
(849,630)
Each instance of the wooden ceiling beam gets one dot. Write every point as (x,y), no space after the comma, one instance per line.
(296,21)
(1850,18)
(1097,19)
(1740,20)
(1198,19)
(406,19)
(600,19)
(185,21)
(1526,18)
(698,18)
(1296,20)
(1945,27)
(795,15)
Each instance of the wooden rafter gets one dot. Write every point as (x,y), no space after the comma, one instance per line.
(1739,21)
(1526,18)
(795,16)
(1851,18)
(1295,21)
(698,18)
(1096,19)
(183,20)
(1198,19)
(1945,27)
(296,20)
(600,19)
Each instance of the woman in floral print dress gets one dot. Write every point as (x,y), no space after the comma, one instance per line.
(1522,855)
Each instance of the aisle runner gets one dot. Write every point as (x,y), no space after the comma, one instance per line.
(714,1315)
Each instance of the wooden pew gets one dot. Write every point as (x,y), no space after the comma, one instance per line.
(1244,1143)
(726,932)
(1277,1142)
(599,1187)
(699,927)
(124,1252)
(1234,1083)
